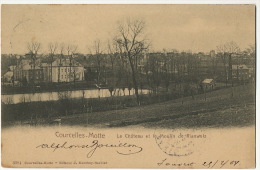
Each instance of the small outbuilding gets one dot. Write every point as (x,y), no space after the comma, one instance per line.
(208,84)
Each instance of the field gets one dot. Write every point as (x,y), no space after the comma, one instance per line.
(227,107)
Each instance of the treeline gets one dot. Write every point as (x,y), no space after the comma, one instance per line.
(125,61)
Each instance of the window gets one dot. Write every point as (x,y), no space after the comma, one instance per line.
(61,76)
(61,70)
(65,76)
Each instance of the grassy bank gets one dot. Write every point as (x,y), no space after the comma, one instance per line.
(66,106)
(223,107)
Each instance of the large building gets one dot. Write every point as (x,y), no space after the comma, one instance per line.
(63,70)
(29,72)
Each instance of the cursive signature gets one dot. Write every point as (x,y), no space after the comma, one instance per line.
(165,162)
(122,148)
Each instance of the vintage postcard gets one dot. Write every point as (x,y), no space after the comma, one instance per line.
(128,86)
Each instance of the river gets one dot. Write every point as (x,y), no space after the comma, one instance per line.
(53,96)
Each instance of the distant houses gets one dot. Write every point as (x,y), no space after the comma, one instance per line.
(241,72)
(172,66)
(26,72)
(60,70)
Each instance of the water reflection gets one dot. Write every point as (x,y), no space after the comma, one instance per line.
(52,96)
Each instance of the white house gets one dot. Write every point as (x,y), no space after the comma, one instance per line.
(64,70)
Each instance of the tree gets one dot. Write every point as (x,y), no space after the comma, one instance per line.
(166,59)
(98,58)
(250,58)
(214,62)
(221,54)
(132,42)
(119,68)
(71,50)
(60,59)
(112,53)
(52,49)
(33,49)
(154,68)
(226,52)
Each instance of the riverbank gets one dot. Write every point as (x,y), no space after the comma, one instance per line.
(50,87)
(220,109)
(224,107)
(56,87)
(27,109)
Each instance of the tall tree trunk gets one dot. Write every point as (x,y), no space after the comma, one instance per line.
(134,80)
(230,71)
(70,69)
(50,77)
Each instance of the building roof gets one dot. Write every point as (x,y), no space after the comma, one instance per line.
(29,67)
(66,63)
(207,81)
(26,64)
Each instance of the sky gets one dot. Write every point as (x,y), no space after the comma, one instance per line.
(182,27)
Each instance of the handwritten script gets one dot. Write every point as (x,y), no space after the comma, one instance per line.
(92,147)
(206,164)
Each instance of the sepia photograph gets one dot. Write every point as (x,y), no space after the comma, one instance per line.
(128,86)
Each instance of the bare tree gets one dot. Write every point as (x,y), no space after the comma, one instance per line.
(71,50)
(226,52)
(155,68)
(123,69)
(214,62)
(132,43)
(251,53)
(98,58)
(112,52)
(221,52)
(33,49)
(248,57)
(61,49)
(166,58)
(52,49)
(120,71)
(231,47)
